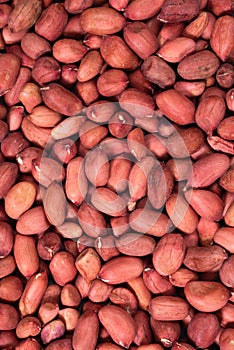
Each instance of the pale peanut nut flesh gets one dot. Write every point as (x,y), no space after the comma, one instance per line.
(116,174)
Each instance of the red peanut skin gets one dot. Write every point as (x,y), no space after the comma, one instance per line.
(86,332)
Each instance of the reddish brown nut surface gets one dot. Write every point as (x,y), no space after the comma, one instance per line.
(116,174)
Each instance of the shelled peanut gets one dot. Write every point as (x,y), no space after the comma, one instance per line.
(116,174)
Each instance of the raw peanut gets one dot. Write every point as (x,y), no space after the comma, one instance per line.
(141,291)
(219,8)
(119,5)
(160,184)
(206,231)
(125,299)
(8,175)
(93,41)
(179,168)
(48,245)
(52,330)
(136,143)
(73,28)
(170,31)
(196,28)
(62,267)
(33,293)
(182,346)
(48,311)
(68,75)
(137,103)
(200,65)
(91,220)
(68,51)
(52,22)
(142,9)
(158,72)
(68,127)
(19,199)
(13,143)
(221,40)
(30,96)
(181,214)
(114,147)
(175,50)
(99,291)
(54,202)
(226,339)
(206,296)
(10,67)
(60,344)
(76,182)
(15,117)
(97,167)
(46,170)
(229,99)
(228,217)
(44,117)
(134,244)
(101,21)
(225,237)
(168,308)
(112,82)
(34,46)
(226,272)
(7,266)
(119,174)
(203,329)
(8,338)
(9,317)
(12,97)
(38,136)
(69,317)
(12,38)
(31,343)
(225,128)
(149,221)
(205,259)
(26,256)
(184,142)
(121,269)
(227,180)
(137,181)
(190,89)
(24,15)
(70,230)
(90,66)
(119,324)
(32,222)
(219,144)
(206,203)
(225,75)
(28,327)
(143,330)
(88,264)
(165,332)
(225,315)
(11,288)
(201,176)
(46,70)
(6,239)
(150,347)
(140,39)
(169,254)
(137,80)
(156,283)
(108,202)
(83,286)
(105,246)
(18,52)
(176,107)
(117,54)
(86,332)
(5,11)
(210,113)
(178,11)
(77,6)
(101,111)
(67,104)
(182,276)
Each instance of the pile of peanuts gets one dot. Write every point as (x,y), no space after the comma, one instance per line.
(116,174)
